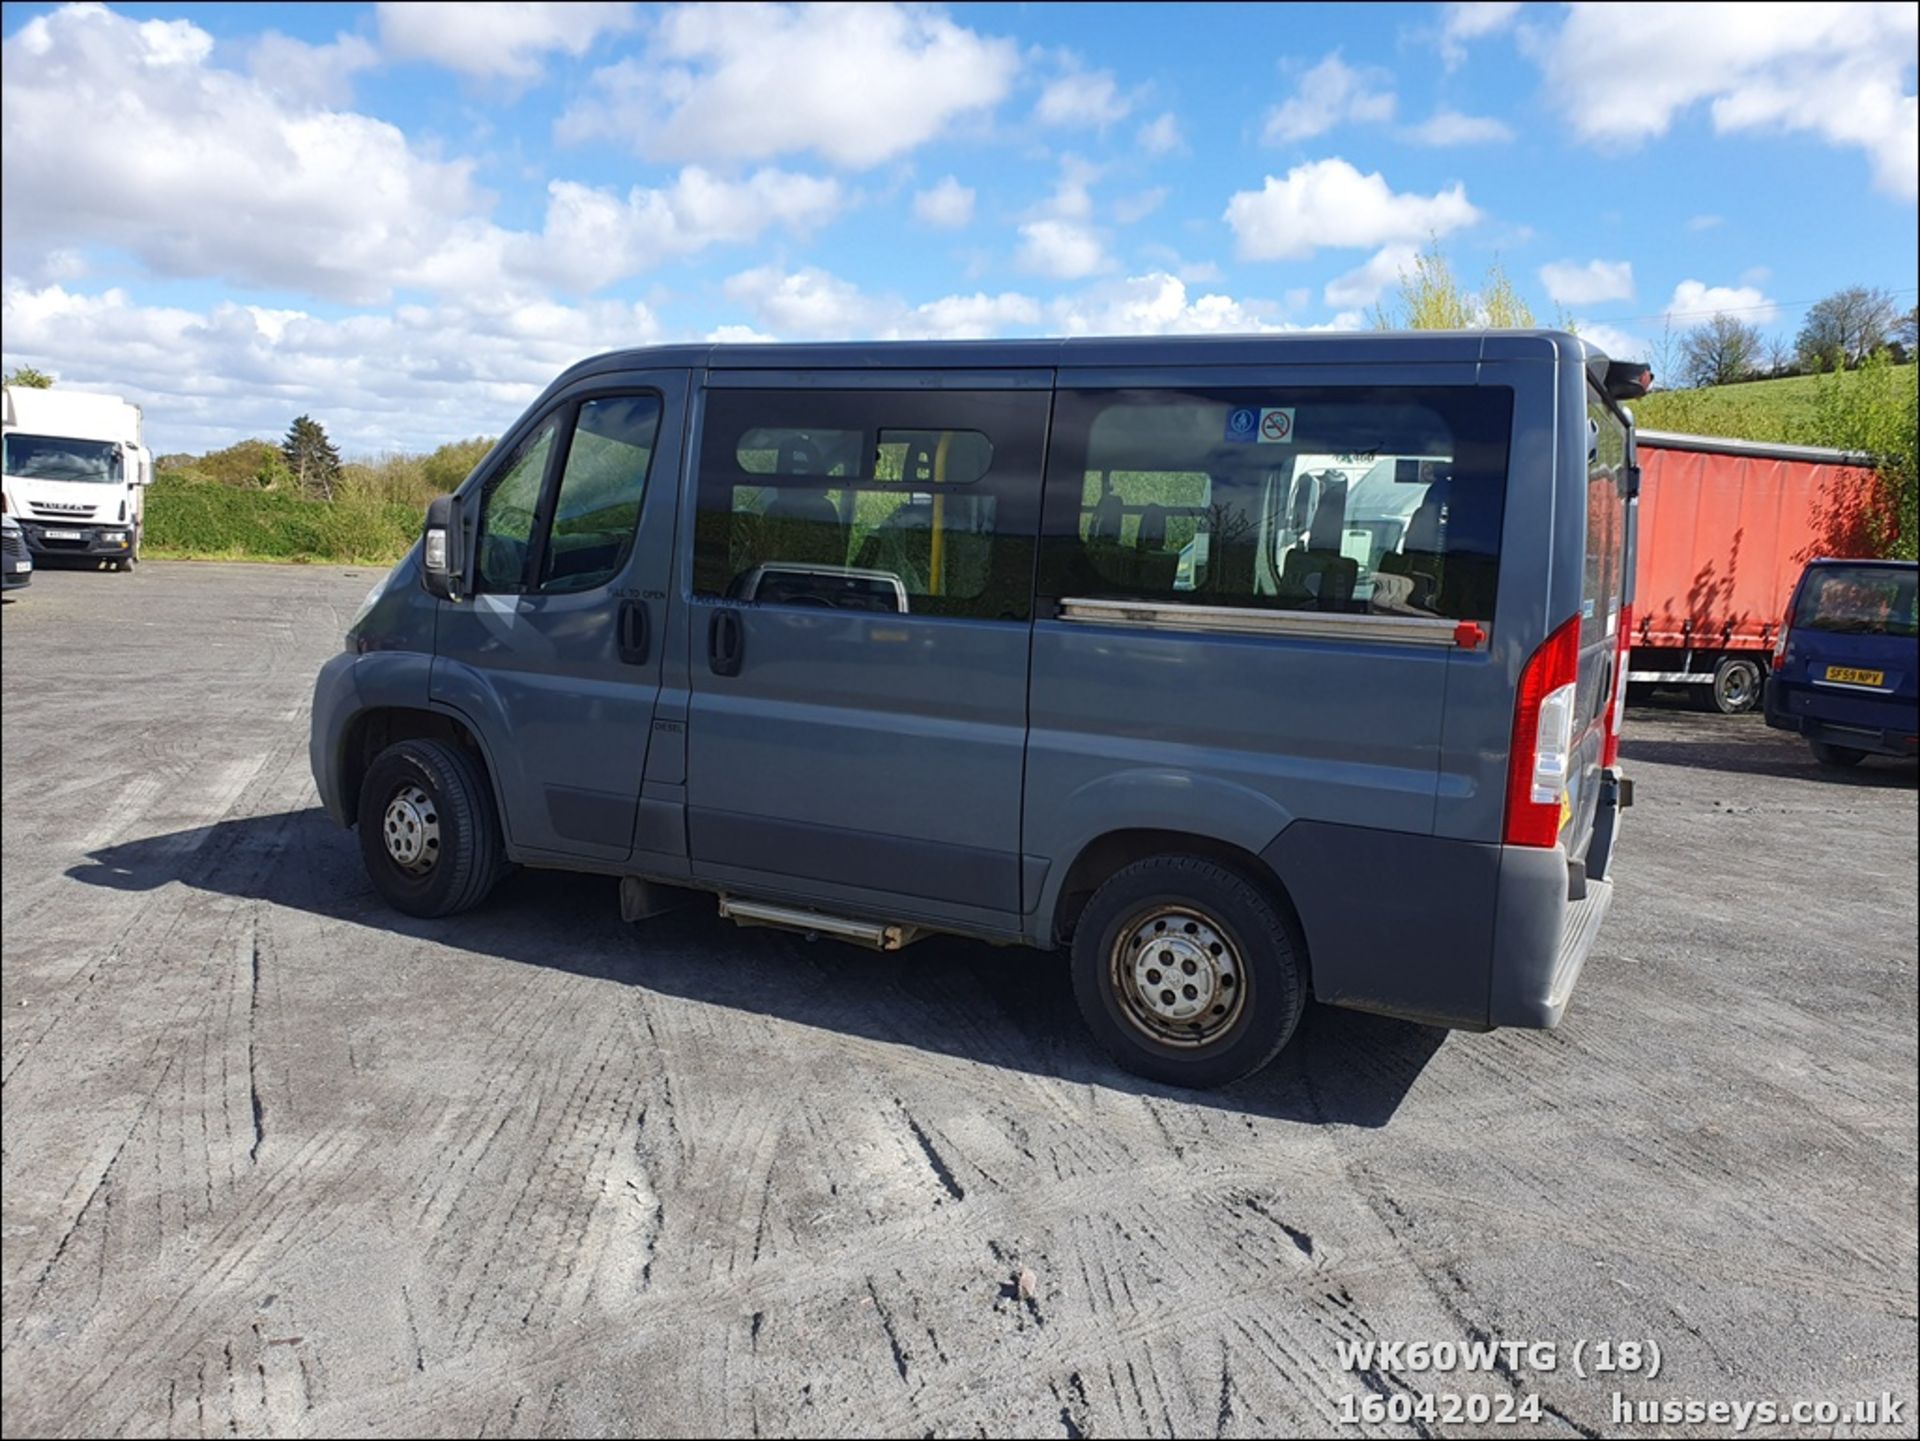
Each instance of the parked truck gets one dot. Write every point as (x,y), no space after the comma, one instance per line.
(1725,528)
(76,472)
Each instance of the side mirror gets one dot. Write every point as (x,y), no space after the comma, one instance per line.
(443,553)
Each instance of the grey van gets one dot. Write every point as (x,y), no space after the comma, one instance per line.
(1244,669)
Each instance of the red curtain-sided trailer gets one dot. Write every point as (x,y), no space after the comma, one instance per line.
(1724,529)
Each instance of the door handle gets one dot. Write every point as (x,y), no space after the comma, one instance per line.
(725,640)
(633,632)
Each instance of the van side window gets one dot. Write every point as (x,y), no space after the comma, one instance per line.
(601,487)
(1350,499)
(922,503)
(507,509)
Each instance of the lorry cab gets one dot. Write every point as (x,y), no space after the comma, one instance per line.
(1846,675)
(1241,669)
(75,474)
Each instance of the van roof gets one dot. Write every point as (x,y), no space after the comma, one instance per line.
(1319,347)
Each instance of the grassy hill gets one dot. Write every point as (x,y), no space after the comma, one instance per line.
(1756,410)
(1873,409)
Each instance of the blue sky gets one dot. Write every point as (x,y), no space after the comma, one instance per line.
(406,218)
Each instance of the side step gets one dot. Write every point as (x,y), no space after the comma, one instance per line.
(879,936)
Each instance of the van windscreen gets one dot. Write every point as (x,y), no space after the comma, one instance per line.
(1357,500)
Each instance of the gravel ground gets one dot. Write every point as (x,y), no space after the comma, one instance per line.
(279,1161)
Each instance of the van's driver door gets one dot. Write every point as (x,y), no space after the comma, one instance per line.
(555,658)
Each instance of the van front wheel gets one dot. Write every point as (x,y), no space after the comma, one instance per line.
(1186,972)
(428,831)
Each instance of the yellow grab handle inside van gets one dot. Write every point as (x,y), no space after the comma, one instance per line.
(937,546)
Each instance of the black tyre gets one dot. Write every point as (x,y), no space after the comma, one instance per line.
(1736,687)
(1839,758)
(1186,972)
(428,831)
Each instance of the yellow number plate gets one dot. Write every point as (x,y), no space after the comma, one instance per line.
(1847,675)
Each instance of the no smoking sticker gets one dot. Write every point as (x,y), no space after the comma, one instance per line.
(1276,425)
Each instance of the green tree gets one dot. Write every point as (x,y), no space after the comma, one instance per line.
(452,462)
(311,458)
(1846,327)
(1431,297)
(1876,410)
(1720,352)
(27,376)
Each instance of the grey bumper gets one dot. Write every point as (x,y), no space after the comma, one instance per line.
(1447,932)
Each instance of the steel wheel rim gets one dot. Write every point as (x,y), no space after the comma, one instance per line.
(1736,685)
(1178,975)
(411,830)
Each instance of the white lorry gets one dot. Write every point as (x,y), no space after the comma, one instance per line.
(76,473)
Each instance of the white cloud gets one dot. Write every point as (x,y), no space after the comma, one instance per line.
(407,379)
(1328,203)
(811,304)
(1084,98)
(205,172)
(501,38)
(1158,304)
(1569,283)
(1059,240)
(1450,127)
(1365,284)
(1472,20)
(1131,209)
(857,83)
(1330,93)
(1063,249)
(595,237)
(310,74)
(1161,136)
(739,335)
(1839,71)
(947,205)
(1618,344)
(200,171)
(1705,222)
(1695,303)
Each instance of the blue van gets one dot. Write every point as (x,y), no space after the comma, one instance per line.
(1845,670)
(1243,669)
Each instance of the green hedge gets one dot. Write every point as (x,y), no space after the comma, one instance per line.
(205,521)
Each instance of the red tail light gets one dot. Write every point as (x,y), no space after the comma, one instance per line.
(1617,711)
(1541,758)
(1786,625)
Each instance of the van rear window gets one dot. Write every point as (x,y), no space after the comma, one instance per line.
(1357,500)
(1858,600)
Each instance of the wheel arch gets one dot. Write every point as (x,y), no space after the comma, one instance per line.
(1107,854)
(374,729)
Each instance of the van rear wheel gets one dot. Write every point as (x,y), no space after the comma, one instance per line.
(428,831)
(1186,972)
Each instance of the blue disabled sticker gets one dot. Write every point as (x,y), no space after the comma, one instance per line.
(1243,423)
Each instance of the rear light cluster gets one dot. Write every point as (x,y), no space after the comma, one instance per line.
(1540,762)
(1786,625)
(1617,712)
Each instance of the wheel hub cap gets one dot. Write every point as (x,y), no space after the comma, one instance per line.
(1178,976)
(412,830)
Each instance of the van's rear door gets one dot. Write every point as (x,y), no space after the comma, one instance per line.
(1607,568)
